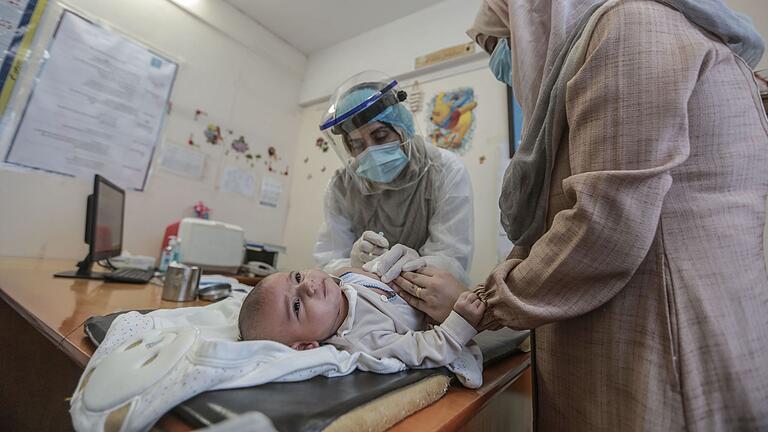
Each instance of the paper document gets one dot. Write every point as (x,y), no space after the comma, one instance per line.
(271,189)
(183,161)
(236,180)
(98,106)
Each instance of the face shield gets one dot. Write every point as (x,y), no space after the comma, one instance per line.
(369,128)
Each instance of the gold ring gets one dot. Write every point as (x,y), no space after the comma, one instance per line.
(418,292)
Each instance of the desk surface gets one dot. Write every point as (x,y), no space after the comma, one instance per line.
(58,308)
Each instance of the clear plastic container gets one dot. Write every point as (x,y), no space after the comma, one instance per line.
(168,255)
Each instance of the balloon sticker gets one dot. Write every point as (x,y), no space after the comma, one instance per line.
(239,145)
(322,144)
(201,210)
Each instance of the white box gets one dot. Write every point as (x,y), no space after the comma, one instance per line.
(211,245)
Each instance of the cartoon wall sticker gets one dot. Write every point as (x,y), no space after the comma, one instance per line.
(322,144)
(452,120)
(239,145)
(272,152)
(200,113)
(213,134)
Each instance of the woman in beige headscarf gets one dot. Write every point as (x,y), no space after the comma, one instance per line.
(637,206)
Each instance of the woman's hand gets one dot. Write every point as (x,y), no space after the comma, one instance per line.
(430,290)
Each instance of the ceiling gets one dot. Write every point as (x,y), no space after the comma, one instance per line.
(311,25)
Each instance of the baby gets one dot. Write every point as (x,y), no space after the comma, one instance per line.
(357,313)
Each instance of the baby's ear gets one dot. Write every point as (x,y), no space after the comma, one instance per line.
(301,346)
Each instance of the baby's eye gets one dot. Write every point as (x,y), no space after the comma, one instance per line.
(297,276)
(296,306)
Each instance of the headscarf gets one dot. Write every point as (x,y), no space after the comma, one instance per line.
(541,35)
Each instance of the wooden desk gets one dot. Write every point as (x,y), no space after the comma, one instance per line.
(42,316)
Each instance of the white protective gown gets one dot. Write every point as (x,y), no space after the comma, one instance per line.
(450,241)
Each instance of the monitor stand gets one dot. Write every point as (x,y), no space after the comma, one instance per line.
(83,271)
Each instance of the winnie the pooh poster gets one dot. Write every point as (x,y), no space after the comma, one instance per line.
(451,119)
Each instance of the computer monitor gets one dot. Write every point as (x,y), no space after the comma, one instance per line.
(103,227)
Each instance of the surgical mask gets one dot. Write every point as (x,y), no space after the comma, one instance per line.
(501,62)
(382,163)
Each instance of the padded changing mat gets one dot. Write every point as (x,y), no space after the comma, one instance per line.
(327,403)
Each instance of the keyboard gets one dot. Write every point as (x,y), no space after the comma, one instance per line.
(130,275)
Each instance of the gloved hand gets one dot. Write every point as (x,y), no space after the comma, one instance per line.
(369,246)
(391,263)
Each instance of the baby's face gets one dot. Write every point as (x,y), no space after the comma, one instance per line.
(302,306)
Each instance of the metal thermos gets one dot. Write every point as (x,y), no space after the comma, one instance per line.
(181,282)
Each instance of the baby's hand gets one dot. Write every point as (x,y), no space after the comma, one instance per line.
(470,307)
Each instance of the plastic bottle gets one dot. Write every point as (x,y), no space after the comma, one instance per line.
(176,255)
(168,254)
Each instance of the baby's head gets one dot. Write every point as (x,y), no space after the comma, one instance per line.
(298,308)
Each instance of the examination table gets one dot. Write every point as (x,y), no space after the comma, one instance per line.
(359,401)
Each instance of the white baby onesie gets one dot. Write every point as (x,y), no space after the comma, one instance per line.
(385,326)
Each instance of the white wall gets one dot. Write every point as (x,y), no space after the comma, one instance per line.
(391,48)
(241,87)
(758,11)
(238,26)
(305,214)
